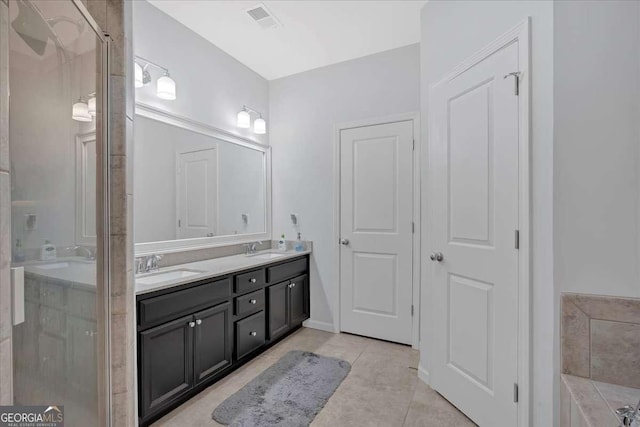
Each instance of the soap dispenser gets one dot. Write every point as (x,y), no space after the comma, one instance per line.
(282,244)
(299,245)
(48,251)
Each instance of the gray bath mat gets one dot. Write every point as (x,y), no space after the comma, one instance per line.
(288,394)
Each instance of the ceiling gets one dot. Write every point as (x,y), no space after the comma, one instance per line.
(313,33)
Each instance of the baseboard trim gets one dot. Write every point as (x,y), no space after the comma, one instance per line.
(316,324)
(423,374)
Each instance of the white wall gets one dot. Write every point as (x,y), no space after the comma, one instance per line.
(304,109)
(597,134)
(211,85)
(451,32)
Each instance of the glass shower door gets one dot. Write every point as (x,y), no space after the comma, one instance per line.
(56,145)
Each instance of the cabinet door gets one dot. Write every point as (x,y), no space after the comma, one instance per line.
(278,309)
(166,355)
(81,355)
(212,351)
(298,300)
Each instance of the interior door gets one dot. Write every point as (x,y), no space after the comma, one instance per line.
(473,193)
(197,194)
(376,228)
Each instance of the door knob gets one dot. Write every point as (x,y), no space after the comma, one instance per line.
(436,256)
(344,242)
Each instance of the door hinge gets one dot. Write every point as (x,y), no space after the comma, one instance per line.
(411,310)
(414,144)
(517,239)
(515,393)
(516,81)
(413,227)
(179,223)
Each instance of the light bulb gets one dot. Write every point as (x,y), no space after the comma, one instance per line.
(260,126)
(244,119)
(91,104)
(80,111)
(166,88)
(138,72)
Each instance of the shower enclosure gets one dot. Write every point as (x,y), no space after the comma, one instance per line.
(57,72)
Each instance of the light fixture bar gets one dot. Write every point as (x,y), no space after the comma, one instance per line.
(153,64)
(251,110)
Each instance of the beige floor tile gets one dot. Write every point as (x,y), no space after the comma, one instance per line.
(429,409)
(382,388)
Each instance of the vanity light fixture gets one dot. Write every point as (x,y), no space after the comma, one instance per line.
(91,104)
(260,126)
(244,120)
(165,85)
(80,111)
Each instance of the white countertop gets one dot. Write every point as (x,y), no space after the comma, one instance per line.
(69,269)
(213,268)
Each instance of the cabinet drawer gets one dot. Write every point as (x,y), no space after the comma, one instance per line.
(249,303)
(250,281)
(250,334)
(157,310)
(287,270)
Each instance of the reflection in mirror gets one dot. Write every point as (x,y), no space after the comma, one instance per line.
(85,189)
(190,185)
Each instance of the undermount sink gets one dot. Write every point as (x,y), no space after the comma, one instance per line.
(269,255)
(166,276)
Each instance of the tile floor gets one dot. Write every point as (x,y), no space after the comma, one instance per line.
(382,388)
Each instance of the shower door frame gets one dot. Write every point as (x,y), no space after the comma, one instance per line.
(103,284)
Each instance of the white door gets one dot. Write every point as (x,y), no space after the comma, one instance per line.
(197,194)
(473,197)
(376,205)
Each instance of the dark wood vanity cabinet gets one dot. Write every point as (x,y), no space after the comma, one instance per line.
(192,335)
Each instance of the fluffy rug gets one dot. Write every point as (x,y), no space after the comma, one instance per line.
(288,394)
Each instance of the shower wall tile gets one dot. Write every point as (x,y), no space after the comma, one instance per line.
(118,195)
(600,338)
(4,88)
(98,11)
(116,27)
(118,116)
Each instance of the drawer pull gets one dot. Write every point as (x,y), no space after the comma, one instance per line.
(253,280)
(252,301)
(198,321)
(192,324)
(253,334)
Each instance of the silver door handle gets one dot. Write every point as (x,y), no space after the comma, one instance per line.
(17,295)
(436,256)
(344,242)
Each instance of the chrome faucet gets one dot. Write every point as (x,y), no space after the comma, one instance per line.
(90,253)
(148,264)
(629,416)
(252,248)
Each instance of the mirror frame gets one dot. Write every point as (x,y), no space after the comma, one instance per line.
(167,246)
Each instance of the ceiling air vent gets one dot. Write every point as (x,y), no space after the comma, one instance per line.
(263,17)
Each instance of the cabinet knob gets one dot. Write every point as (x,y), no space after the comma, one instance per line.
(192,324)
(253,334)
(252,301)
(198,321)
(253,280)
(293,285)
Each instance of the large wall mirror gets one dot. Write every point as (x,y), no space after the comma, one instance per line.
(196,186)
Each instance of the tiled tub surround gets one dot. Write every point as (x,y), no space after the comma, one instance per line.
(600,358)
